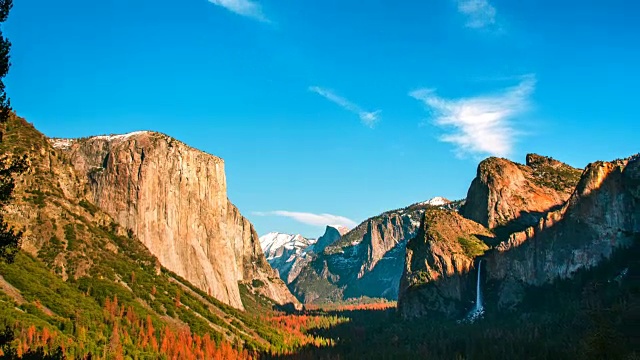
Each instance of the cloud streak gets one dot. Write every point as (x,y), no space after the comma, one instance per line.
(480,125)
(369,118)
(246,8)
(479,13)
(319,220)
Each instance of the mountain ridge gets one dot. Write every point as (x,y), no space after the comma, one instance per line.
(365,261)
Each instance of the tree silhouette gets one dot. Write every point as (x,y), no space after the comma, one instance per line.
(5,46)
(9,166)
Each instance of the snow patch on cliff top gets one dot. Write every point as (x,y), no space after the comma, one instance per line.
(119,137)
(61,143)
(436,201)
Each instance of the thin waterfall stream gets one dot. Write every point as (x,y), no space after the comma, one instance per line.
(479,290)
(477,312)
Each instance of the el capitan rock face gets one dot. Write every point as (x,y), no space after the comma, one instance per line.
(174,199)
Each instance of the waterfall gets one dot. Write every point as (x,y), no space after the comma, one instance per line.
(479,290)
(478,311)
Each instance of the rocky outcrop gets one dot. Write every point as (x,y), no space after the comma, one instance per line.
(173,198)
(437,265)
(549,224)
(602,215)
(514,196)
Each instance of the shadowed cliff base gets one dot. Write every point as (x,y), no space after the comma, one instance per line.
(525,220)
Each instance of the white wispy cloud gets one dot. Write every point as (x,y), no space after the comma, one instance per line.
(480,125)
(479,13)
(243,7)
(310,218)
(369,118)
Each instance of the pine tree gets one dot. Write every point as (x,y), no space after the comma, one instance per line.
(9,237)
(5,46)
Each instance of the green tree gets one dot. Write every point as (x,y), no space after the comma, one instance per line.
(9,166)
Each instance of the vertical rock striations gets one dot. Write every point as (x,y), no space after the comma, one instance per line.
(174,199)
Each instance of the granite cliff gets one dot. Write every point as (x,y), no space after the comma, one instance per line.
(601,216)
(76,259)
(534,223)
(173,198)
(331,235)
(508,195)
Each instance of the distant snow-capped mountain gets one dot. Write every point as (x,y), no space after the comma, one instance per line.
(284,252)
(276,245)
(288,254)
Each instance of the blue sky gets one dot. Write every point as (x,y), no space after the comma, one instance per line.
(333,111)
